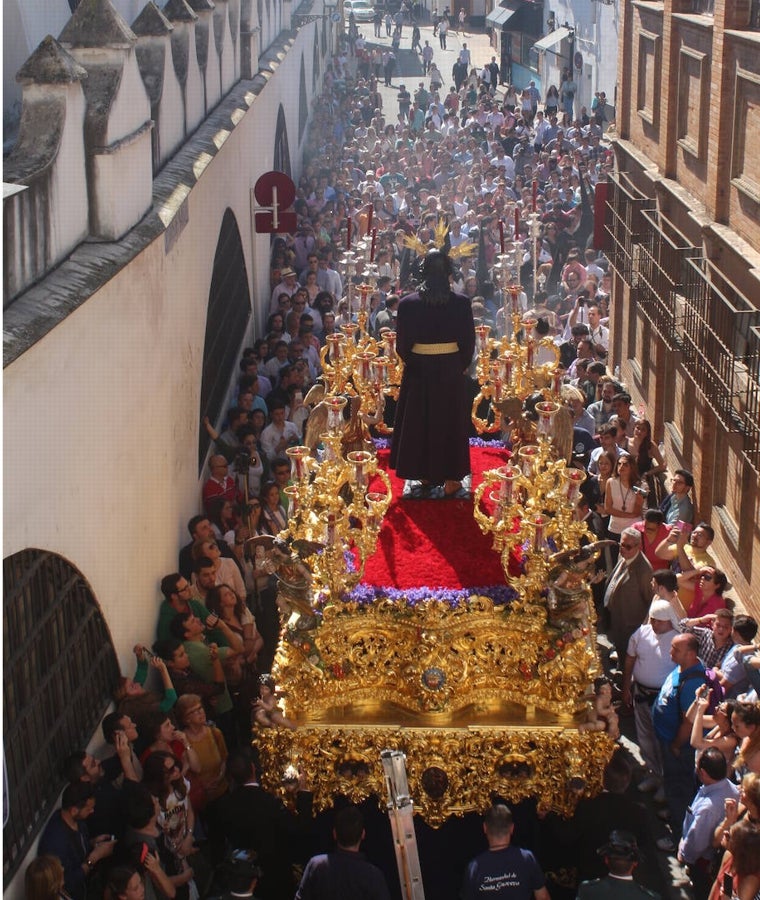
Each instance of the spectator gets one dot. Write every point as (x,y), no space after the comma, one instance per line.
(503,863)
(67,838)
(344,872)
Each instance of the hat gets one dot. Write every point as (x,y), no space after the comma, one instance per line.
(286,271)
(621,845)
(662,611)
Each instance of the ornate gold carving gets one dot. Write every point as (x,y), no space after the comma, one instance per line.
(451,770)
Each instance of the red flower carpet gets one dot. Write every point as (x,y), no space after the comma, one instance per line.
(435,543)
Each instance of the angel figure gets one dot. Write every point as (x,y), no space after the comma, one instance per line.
(602,715)
(266,712)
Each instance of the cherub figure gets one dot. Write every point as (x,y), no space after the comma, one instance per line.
(602,715)
(266,712)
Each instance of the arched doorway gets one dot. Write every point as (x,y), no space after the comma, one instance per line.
(59,671)
(229,307)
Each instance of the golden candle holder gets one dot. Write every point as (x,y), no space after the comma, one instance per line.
(532,517)
(332,511)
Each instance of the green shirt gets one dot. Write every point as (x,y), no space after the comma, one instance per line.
(202,665)
(167,613)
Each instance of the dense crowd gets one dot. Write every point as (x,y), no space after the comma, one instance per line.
(179,787)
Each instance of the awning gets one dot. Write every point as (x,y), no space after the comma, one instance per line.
(502,14)
(559,34)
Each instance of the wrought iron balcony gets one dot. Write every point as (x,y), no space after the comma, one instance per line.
(692,307)
(720,333)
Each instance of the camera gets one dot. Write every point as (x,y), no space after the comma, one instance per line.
(638,489)
(242,461)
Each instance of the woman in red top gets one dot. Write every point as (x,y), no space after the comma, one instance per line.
(708,585)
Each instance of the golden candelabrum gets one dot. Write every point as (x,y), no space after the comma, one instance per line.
(353,362)
(509,367)
(533,500)
(332,511)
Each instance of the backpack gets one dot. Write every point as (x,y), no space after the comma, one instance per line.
(715,692)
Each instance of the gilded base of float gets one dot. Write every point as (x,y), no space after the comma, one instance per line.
(451,771)
(482,698)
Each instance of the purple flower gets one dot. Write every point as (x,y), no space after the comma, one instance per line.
(365,594)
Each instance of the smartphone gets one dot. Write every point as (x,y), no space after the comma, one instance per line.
(684,527)
(728,884)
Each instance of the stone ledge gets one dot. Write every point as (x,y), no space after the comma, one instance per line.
(36,312)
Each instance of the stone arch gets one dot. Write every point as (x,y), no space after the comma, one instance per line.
(281,149)
(229,309)
(59,672)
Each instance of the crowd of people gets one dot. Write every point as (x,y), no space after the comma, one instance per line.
(179,787)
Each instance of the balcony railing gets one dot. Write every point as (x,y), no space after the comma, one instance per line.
(625,225)
(662,274)
(692,307)
(721,352)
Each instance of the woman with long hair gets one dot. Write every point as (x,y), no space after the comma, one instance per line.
(226,604)
(273,516)
(720,735)
(223,518)
(745,721)
(649,460)
(43,879)
(162,775)
(622,502)
(739,874)
(551,101)
(597,483)
(436,340)
(165,737)
(126,882)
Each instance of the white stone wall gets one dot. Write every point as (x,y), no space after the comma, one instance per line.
(596,38)
(101,414)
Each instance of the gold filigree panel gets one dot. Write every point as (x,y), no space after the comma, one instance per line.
(450,771)
(433,664)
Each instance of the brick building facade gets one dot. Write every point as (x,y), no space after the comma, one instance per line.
(683,235)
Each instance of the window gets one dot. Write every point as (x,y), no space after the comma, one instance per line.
(59,669)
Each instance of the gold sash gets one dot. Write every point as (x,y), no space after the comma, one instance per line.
(435,349)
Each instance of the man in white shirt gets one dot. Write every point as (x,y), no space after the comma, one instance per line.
(600,335)
(280,434)
(647,665)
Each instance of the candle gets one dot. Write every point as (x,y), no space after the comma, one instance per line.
(539,524)
(372,247)
(330,538)
(535,193)
(348,234)
(372,210)
(530,353)
(517,223)
(501,234)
